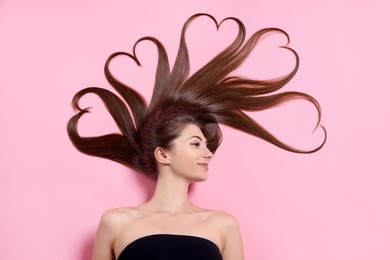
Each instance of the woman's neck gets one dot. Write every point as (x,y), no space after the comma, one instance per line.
(170,196)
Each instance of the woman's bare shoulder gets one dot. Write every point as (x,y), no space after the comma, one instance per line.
(221,220)
(118,216)
(221,216)
(231,243)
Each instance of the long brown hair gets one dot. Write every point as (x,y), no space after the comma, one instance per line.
(208,97)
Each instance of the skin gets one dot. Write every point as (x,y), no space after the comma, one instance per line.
(170,211)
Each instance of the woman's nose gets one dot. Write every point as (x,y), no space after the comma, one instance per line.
(208,154)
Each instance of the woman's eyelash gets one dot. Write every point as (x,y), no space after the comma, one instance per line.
(196,144)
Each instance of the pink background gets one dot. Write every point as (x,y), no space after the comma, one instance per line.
(334,204)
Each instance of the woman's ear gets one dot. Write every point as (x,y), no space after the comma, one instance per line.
(161,155)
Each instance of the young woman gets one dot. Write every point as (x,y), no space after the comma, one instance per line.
(172,140)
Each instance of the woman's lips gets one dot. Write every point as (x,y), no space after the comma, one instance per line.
(205,165)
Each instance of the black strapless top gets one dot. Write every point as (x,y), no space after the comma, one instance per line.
(171,247)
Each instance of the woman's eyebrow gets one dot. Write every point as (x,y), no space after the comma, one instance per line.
(198,137)
(195,136)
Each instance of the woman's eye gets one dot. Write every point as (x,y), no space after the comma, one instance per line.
(195,144)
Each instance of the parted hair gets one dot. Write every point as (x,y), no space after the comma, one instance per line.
(210,96)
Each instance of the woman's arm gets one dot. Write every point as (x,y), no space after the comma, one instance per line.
(232,247)
(102,249)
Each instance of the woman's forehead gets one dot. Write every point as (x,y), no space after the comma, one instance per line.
(190,131)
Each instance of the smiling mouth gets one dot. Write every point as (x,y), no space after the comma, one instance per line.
(206,165)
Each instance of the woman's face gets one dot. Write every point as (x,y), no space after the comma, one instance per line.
(189,156)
